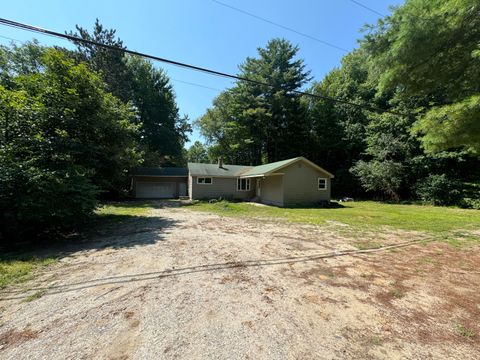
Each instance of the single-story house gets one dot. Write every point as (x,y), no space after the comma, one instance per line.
(283,183)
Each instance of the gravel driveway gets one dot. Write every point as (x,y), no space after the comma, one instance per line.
(190,285)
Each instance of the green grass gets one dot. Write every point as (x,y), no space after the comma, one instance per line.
(125,209)
(15,269)
(362,215)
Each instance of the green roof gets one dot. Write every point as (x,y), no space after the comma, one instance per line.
(270,168)
(159,171)
(263,169)
(198,169)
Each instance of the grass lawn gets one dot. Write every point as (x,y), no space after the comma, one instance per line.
(16,269)
(19,267)
(364,215)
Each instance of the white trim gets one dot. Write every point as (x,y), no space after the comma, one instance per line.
(318,184)
(205,177)
(251,176)
(301,158)
(247,184)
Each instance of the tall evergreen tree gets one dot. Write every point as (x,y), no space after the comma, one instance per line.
(163,132)
(262,123)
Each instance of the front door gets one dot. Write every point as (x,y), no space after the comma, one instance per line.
(258,187)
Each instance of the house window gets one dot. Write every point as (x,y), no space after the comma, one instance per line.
(322,184)
(243,184)
(204,180)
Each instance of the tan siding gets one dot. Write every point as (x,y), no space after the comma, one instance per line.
(301,184)
(169,179)
(221,187)
(271,188)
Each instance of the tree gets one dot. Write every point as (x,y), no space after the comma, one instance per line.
(63,140)
(197,153)
(338,130)
(259,122)
(431,49)
(110,64)
(163,132)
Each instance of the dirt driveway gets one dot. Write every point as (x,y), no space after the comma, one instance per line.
(189,285)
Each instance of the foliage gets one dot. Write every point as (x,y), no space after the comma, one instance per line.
(381,177)
(163,132)
(448,126)
(197,153)
(110,64)
(253,123)
(431,49)
(439,190)
(63,139)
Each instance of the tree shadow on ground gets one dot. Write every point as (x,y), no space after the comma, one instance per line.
(103,231)
(188,270)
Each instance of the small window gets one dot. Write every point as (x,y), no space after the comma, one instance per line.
(322,184)
(243,184)
(204,180)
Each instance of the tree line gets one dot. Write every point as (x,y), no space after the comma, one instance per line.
(419,68)
(73,125)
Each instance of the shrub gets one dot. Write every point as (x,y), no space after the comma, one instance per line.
(439,190)
(37,202)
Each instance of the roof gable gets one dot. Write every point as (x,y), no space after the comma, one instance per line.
(266,169)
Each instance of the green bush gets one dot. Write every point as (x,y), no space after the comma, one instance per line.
(37,202)
(439,190)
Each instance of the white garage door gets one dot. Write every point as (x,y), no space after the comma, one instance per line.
(158,190)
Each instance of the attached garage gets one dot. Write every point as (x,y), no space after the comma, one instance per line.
(159,183)
(155,189)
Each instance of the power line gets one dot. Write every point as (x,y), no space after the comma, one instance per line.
(281,26)
(36,29)
(195,84)
(12,39)
(367,8)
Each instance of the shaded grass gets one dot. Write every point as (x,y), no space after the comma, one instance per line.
(364,216)
(18,267)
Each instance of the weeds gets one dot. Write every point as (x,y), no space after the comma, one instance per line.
(463,331)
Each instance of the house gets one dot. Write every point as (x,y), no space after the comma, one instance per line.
(283,183)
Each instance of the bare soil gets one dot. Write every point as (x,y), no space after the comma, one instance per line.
(188,285)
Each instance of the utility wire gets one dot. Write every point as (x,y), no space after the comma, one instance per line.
(367,8)
(173,79)
(76,39)
(281,26)
(195,84)
(12,39)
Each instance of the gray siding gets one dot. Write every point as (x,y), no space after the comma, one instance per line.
(168,179)
(271,188)
(221,187)
(300,184)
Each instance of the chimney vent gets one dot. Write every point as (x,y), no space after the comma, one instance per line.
(220,162)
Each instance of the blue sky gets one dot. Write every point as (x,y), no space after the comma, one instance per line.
(204,33)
